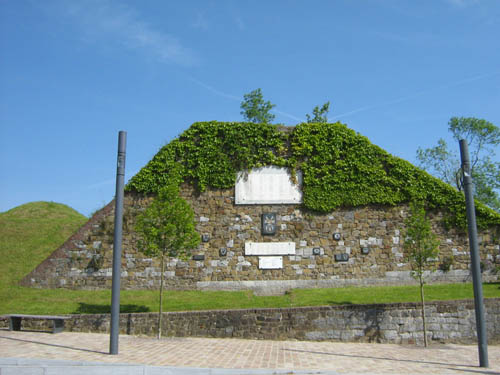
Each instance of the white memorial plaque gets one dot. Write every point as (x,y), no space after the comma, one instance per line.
(268,185)
(270,263)
(269,248)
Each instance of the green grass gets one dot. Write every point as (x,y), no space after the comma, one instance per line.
(62,301)
(29,233)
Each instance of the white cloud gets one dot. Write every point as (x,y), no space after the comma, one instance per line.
(213,89)
(238,99)
(105,21)
(290,116)
(418,93)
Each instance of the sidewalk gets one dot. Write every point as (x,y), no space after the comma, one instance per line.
(146,355)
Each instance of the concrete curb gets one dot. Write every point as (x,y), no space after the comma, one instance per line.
(22,366)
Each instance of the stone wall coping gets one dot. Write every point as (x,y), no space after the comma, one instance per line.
(384,306)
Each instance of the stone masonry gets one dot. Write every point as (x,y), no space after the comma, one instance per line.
(369,238)
(447,322)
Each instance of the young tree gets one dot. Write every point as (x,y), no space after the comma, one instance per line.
(319,114)
(167,229)
(421,248)
(483,139)
(255,109)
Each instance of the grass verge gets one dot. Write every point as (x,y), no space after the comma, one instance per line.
(61,301)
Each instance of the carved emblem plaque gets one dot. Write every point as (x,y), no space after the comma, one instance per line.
(269,224)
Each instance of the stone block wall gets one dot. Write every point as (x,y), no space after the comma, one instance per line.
(85,260)
(447,322)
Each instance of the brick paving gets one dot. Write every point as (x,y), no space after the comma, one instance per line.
(341,358)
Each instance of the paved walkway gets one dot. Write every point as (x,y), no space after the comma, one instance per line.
(192,355)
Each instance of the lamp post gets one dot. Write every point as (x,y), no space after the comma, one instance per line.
(117,244)
(482,340)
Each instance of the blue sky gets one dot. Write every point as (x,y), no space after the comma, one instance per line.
(74,73)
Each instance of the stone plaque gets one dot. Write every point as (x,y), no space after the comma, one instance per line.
(269,224)
(342,257)
(270,263)
(269,248)
(267,185)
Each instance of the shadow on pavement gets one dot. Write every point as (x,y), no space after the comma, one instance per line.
(380,358)
(53,345)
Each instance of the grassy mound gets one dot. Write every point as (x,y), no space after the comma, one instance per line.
(31,232)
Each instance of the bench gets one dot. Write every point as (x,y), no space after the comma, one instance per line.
(15,321)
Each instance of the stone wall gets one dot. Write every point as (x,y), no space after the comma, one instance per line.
(370,237)
(447,322)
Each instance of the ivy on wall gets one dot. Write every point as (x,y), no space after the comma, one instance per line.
(340,167)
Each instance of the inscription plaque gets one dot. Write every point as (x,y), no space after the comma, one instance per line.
(267,185)
(270,263)
(269,248)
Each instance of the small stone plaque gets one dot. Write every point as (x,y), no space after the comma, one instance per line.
(199,257)
(270,263)
(316,251)
(365,250)
(205,238)
(269,224)
(342,257)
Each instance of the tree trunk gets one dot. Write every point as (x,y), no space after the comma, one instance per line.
(161,294)
(422,299)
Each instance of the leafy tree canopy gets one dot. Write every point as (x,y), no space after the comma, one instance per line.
(483,139)
(319,114)
(421,247)
(167,228)
(255,109)
(421,244)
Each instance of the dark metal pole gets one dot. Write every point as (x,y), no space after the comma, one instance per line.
(117,244)
(482,340)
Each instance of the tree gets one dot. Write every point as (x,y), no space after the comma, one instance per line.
(319,114)
(483,139)
(167,229)
(421,248)
(255,109)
